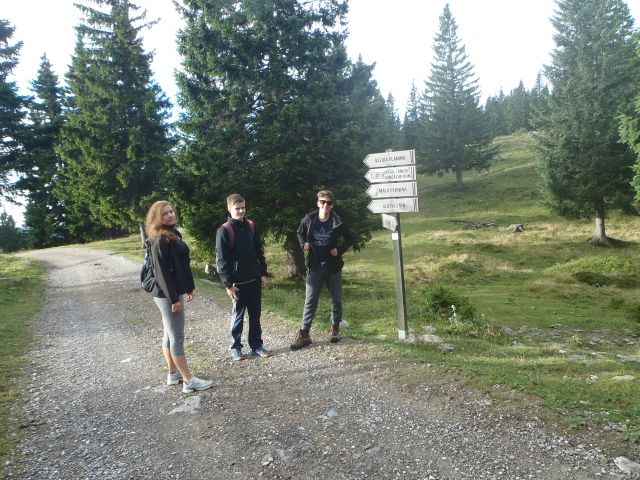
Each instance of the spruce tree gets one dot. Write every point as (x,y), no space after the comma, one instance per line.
(411,126)
(630,131)
(585,169)
(44,214)
(539,103)
(494,111)
(11,237)
(517,109)
(456,134)
(274,110)
(11,109)
(114,143)
(392,124)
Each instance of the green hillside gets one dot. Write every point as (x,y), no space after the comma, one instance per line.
(551,311)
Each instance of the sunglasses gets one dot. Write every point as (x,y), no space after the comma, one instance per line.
(326,202)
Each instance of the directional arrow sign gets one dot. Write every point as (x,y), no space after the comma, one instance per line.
(393,205)
(391,159)
(391,174)
(389,222)
(398,189)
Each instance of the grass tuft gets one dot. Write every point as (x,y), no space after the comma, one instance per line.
(21,296)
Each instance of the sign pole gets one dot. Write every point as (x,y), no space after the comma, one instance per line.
(396,240)
(394,189)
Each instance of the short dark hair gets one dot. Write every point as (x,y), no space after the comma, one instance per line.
(326,194)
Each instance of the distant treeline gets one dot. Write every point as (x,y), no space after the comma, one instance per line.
(272,107)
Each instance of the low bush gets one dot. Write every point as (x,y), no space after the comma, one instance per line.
(440,299)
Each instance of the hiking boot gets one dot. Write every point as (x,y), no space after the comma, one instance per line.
(236,354)
(174,378)
(335,334)
(302,340)
(196,384)
(261,352)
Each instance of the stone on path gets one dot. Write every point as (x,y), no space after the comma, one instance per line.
(626,465)
(623,378)
(191,405)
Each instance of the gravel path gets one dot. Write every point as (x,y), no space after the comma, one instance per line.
(96,405)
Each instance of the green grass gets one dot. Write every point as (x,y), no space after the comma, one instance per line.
(21,296)
(558,293)
(548,275)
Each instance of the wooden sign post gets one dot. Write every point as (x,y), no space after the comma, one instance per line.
(394,190)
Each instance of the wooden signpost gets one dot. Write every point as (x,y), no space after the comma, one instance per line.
(391,174)
(390,222)
(394,190)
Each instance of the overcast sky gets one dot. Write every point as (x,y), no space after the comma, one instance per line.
(506,40)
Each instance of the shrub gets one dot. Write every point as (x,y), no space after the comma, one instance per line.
(592,278)
(633,312)
(439,300)
(616,303)
(598,264)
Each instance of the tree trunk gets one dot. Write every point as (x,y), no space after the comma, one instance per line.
(459,184)
(143,235)
(599,234)
(295,257)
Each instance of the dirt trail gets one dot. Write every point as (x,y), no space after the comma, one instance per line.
(96,404)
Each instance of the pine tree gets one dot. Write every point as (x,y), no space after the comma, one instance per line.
(11,109)
(539,103)
(494,112)
(517,109)
(11,237)
(630,131)
(275,111)
(411,126)
(392,124)
(44,214)
(585,170)
(114,142)
(456,135)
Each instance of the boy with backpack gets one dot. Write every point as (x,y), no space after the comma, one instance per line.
(243,271)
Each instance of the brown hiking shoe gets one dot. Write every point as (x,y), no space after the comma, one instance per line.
(302,340)
(335,334)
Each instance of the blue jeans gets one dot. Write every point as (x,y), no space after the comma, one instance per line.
(314,282)
(249,300)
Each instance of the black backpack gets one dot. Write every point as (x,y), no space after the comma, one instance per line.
(147,280)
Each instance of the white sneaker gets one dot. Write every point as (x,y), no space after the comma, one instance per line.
(196,384)
(174,378)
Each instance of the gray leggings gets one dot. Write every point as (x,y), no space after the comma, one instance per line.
(173,324)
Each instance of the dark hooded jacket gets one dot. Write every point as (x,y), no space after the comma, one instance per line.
(341,239)
(242,259)
(171,268)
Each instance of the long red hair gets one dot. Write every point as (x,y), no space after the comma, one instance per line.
(154,225)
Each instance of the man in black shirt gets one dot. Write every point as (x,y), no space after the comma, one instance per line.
(325,238)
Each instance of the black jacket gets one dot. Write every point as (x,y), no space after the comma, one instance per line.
(171,267)
(340,231)
(245,261)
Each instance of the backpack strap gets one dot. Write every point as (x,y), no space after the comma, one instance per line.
(232,232)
